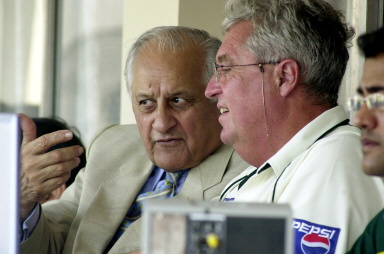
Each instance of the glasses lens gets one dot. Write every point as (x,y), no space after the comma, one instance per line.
(375,101)
(355,103)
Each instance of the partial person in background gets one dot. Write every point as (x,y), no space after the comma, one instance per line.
(277,77)
(175,149)
(369,104)
(45,125)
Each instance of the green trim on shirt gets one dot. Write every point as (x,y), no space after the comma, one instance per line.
(372,239)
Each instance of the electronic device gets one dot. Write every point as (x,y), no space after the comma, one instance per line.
(9,182)
(202,227)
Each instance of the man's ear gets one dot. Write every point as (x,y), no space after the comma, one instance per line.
(287,76)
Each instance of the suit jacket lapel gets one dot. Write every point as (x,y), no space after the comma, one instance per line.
(200,178)
(113,198)
(111,203)
(214,167)
(207,174)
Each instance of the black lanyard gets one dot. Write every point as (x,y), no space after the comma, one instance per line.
(244,179)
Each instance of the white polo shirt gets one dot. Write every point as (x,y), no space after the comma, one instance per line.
(323,181)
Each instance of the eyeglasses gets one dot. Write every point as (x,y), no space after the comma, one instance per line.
(374,101)
(218,70)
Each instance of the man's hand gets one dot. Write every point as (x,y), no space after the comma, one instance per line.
(41,171)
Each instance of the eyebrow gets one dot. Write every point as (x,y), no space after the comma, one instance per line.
(143,95)
(180,93)
(224,58)
(183,92)
(370,90)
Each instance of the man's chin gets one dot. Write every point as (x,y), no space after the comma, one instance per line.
(170,162)
(373,165)
(226,138)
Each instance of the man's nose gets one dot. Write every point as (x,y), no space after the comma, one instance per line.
(164,119)
(213,88)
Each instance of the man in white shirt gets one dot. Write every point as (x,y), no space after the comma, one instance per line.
(277,77)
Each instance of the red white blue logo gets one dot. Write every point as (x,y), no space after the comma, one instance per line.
(313,243)
(311,238)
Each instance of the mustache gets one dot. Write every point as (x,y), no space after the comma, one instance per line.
(166,138)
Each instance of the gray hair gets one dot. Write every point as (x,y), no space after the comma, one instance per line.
(309,31)
(174,38)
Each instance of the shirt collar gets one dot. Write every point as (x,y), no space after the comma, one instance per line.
(305,138)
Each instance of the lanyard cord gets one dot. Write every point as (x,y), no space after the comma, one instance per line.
(258,171)
(230,186)
(244,179)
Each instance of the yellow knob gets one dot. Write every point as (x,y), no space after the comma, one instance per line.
(213,240)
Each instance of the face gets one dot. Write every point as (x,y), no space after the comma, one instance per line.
(239,92)
(371,122)
(178,124)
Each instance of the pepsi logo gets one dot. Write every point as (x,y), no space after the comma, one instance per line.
(313,243)
(314,238)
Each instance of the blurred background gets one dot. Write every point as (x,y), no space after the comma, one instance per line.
(65,58)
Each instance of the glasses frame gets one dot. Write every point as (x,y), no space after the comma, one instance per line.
(217,72)
(373,101)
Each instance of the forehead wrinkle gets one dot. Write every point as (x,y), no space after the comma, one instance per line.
(143,95)
(181,92)
(230,58)
(151,93)
(189,92)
